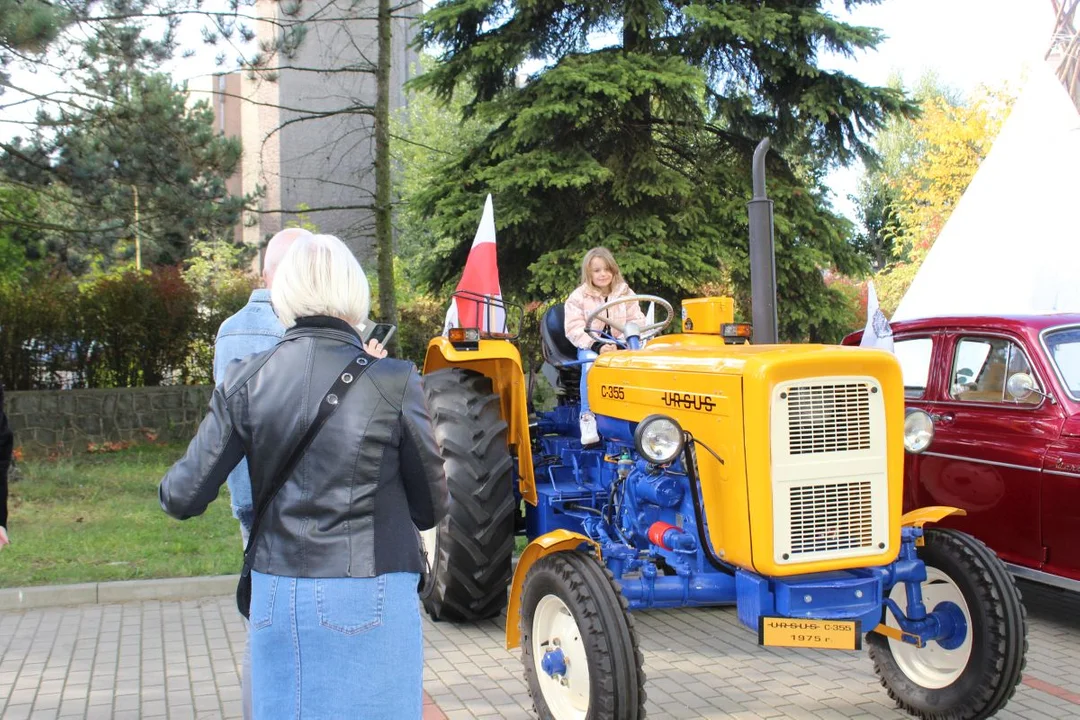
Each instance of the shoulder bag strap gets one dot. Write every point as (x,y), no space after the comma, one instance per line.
(345,380)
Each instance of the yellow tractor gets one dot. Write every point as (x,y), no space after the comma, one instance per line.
(761,475)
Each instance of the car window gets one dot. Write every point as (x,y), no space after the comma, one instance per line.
(1064,346)
(914,356)
(981,369)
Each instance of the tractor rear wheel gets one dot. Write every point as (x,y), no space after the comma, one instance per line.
(974,673)
(468,554)
(578,643)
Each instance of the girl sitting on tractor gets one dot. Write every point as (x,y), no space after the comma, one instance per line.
(601,282)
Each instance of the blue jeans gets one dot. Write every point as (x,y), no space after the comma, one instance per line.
(336,647)
(583,354)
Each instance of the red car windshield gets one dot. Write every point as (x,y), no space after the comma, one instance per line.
(1063,346)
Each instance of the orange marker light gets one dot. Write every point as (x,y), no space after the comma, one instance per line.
(464,338)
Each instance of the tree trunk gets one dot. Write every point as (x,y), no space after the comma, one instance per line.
(384,233)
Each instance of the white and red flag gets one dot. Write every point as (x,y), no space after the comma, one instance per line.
(481,278)
(878,332)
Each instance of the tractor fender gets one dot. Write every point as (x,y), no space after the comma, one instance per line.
(930,514)
(933,513)
(500,361)
(552,542)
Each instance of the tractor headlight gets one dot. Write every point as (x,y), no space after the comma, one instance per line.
(659,439)
(918,430)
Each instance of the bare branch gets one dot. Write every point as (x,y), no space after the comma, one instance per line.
(407,141)
(307,210)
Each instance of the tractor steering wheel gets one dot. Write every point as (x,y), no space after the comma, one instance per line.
(644,332)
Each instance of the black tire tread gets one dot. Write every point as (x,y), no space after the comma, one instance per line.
(1005,626)
(471,572)
(617,674)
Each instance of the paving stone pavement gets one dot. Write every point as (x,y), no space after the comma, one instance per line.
(157,659)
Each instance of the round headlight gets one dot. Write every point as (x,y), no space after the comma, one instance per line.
(659,439)
(918,430)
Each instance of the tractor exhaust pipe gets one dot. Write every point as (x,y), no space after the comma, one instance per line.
(762,255)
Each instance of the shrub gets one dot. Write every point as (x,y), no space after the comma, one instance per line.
(229,298)
(142,323)
(892,284)
(220,276)
(127,328)
(529,342)
(38,332)
(851,313)
(420,320)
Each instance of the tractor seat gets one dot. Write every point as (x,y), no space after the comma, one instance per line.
(557,348)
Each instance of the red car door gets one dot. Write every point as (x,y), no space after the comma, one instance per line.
(987,452)
(1061,467)
(1061,503)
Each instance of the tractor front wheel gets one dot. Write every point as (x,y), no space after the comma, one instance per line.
(468,554)
(973,673)
(578,643)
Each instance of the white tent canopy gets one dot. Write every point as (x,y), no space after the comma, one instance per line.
(1012,244)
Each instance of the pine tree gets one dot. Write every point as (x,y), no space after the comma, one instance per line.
(26,29)
(131,147)
(644,145)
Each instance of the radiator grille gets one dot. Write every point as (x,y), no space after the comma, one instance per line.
(828,418)
(830,517)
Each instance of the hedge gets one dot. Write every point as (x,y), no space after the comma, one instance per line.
(128,329)
(153,327)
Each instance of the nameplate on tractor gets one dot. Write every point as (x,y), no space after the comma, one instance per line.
(800,632)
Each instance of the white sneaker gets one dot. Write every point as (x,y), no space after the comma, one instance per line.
(589,436)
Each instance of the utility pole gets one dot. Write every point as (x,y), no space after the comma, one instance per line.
(138,248)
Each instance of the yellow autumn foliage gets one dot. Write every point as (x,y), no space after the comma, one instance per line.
(949,143)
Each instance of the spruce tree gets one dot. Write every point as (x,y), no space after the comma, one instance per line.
(638,134)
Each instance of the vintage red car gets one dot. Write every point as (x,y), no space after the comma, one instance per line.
(1003,397)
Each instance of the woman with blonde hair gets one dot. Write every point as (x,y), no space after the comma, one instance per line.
(601,282)
(344,470)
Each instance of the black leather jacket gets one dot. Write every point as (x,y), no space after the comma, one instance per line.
(369,479)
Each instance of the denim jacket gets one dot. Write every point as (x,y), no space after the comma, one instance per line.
(254,329)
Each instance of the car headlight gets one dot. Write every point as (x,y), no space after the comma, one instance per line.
(918,430)
(659,439)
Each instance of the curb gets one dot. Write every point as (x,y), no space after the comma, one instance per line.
(189,588)
(114,592)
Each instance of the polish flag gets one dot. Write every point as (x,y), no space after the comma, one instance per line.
(878,332)
(481,277)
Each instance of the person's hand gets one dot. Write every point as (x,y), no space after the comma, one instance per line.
(3,537)
(374,348)
(607,347)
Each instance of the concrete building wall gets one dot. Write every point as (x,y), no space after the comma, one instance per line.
(222,93)
(260,118)
(306,120)
(327,138)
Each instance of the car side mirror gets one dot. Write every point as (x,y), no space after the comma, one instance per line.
(1021,386)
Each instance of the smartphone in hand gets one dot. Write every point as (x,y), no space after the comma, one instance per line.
(381,332)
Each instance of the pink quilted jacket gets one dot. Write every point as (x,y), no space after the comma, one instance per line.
(584,300)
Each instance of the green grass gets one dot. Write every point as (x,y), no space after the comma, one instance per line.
(96,518)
